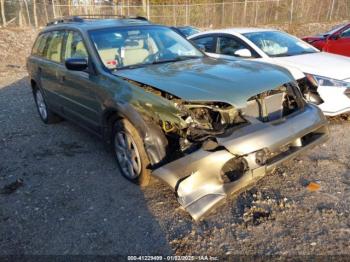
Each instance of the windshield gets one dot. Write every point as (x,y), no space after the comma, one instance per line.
(279,44)
(121,48)
(334,29)
(188,31)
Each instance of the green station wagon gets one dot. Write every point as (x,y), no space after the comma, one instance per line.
(206,127)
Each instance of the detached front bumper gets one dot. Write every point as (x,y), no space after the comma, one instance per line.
(199,179)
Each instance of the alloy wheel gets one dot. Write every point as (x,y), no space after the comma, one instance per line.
(127,155)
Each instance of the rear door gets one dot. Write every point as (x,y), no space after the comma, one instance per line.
(340,45)
(79,88)
(49,66)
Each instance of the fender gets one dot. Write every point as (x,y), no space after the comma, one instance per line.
(154,139)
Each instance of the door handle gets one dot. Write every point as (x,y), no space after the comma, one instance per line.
(61,79)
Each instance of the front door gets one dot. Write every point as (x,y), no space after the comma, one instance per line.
(50,66)
(78,87)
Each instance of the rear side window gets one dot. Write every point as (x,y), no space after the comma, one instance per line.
(75,47)
(54,46)
(207,42)
(39,45)
(36,45)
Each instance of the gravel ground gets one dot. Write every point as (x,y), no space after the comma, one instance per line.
(61,193)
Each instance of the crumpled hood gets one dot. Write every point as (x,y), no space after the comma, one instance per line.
(211,80)
(320,63)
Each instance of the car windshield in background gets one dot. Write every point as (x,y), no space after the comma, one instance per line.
(334,29)
(188,31)
(279,44)
(121,48)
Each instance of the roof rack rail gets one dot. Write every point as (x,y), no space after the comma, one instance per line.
(65,19)
(80,18)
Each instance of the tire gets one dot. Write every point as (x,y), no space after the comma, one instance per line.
(46,115)
(130,155)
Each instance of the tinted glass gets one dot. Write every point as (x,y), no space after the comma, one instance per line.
(36,45)
(75,47)
(228,46)
(275,43)
(188,31)
(346,33)
(334,29)
(54,46)
(39,46)
(129,47)
(207,42)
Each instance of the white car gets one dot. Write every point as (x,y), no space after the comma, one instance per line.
(327,74)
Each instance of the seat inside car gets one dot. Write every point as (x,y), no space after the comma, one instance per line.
(109,57)
(135,52)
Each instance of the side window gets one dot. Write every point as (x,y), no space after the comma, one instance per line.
(207,42)
(75,47)
(39,45)
(35,48)
(54,46)
(346,33)
(229,46)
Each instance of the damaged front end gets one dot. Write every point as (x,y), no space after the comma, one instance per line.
(309,89)
(220,149)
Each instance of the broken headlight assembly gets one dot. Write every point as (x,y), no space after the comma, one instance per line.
(209,119)
(325,81)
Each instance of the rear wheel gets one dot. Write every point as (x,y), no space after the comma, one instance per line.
(130,153)
(46,115)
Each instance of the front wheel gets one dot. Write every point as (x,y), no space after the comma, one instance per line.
(130,153)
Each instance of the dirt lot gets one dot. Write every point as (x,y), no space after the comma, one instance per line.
(66,195)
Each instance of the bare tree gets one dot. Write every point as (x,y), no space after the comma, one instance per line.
(53,9)
(27,9)
(3,17)
(45,9)
(20,16)
(35,14)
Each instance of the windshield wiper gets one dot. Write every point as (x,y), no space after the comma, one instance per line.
(175,59)
(288,54)
(130,67)
(306,52)
(281,55)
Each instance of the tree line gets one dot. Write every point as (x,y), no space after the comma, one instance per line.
(201,13)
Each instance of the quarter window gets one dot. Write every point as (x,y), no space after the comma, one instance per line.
(55,46)
(207,42)
(39,46)
(36,45)
(75,47)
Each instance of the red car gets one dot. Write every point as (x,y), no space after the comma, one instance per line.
(335,41)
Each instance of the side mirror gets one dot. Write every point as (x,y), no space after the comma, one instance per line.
(243,53)
(201,47)
(76,64)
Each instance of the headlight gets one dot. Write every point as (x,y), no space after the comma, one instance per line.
(325,81)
